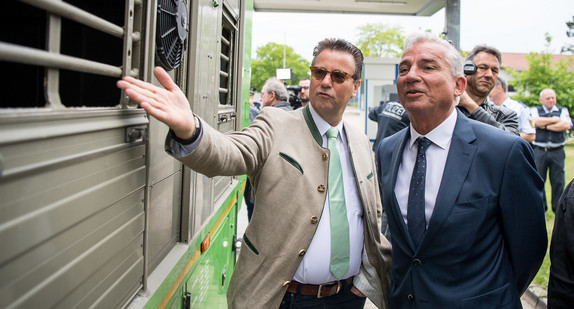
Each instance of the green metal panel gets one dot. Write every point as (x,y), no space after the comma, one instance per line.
(201,273)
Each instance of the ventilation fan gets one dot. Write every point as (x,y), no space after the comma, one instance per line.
(171,34)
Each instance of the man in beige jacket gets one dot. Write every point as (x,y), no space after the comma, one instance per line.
(285,262)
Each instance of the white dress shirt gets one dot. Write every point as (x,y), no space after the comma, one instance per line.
(525,123)
(314,268)
(436,156)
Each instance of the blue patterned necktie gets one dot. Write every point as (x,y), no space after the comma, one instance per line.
(416,205)
(340,245)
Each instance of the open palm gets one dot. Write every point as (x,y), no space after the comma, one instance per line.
(168,105)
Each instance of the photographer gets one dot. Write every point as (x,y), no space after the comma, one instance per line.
(304,94)
(300,94)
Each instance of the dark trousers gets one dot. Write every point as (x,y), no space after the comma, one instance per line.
(561,281)
(342,300)
(553,162)
(248,195)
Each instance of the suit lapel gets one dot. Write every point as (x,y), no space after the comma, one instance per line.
(312,126)
(395,163)
(458,164)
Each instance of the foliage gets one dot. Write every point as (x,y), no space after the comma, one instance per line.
(270,58)
(541,74)
(380,40)
(570,33)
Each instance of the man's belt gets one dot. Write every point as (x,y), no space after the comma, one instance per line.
(549,148)
(323,290)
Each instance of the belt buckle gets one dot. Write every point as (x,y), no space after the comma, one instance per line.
(321,287)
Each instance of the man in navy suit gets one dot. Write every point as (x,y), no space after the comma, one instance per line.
(479,236)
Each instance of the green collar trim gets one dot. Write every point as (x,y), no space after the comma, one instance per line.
(312,126)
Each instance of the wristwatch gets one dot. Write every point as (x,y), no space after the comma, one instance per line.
(193,137)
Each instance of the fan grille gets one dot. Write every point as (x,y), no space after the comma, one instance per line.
(171,34)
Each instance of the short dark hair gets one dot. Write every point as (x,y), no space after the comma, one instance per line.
(343,46)
(486,49)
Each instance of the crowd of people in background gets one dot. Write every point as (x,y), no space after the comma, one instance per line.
(461,201)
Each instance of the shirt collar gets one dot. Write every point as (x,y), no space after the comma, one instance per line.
(323,125)
(441,135)
(554,108)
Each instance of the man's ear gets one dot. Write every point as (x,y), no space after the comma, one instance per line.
(459,85)
(356,86)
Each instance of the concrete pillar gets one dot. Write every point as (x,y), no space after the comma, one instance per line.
(452,22)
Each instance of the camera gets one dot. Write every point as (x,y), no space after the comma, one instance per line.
(294,99)
(469,68)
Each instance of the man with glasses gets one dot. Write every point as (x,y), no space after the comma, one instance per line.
(314,238)
(304,93)
(474,102)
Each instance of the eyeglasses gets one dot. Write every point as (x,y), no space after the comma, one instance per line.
(337,76)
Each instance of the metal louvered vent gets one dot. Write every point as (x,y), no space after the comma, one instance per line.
(171,34)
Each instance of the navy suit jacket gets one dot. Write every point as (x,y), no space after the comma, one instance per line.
(486,238)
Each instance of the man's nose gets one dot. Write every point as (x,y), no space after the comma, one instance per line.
(413,74)
(327,80)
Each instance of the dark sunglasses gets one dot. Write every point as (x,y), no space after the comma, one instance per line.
(337,76)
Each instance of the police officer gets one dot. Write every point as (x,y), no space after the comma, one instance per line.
(391,117)
(551,122)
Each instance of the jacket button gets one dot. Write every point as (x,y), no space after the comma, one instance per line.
(411,297)
(314,220)
(302,252)
(325,156)
(286,283)
(417,262)
(321,188)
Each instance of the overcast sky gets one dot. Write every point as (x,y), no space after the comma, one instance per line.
(510,25)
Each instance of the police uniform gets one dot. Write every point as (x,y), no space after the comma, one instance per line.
(549,151)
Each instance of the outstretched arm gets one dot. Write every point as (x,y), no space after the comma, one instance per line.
(168,105)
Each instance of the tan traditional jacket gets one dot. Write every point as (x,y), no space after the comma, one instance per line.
(281,152)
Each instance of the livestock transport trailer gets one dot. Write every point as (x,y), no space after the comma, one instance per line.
(93,212)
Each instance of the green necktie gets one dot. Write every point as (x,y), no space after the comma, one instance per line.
(339,223)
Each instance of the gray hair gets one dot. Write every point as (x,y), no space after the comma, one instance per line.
(484,49)
(547,89)
(453,56)
(275,85)
(502,83)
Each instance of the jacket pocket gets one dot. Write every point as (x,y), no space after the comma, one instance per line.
(291,161)
(501,297)
(250,245)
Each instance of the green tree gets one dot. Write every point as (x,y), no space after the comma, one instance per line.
(570,33)
(380,40)
(541,74)
(270,58)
